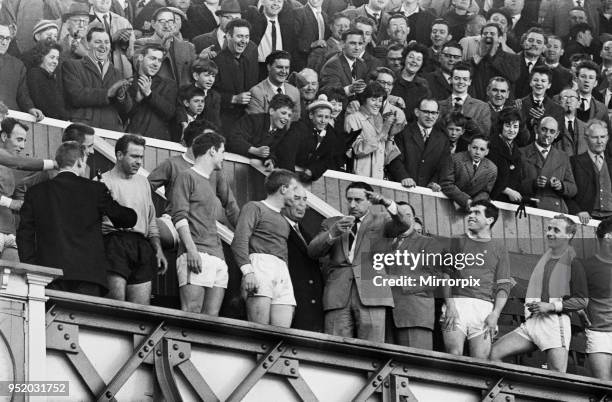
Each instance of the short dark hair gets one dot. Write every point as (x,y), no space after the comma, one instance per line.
(152,46)
(541,69)
(495,25)
(440,21)
(462,66)
(77,132)
(395,47)
(589,65)
(418,48)
(372,90)
(453,44)
(481,136)
(68,153)
(604,227)
(358,184)
(362,19)
(281,100)
(8,125)
(196,128)
(397,16)
(334,94)
(580,28)
(508,115)
(277,179)
(41,49)
(503,11)
(204,142)
(427,99)
(456,119)
(411,207)
(346,33)
(237,23)
(337,16)
(531,30)
(122,143)
(580,57)
(187,92)
(93,30)
(497,78)
(200,65)
(490,210)
(570,225)
(277,55)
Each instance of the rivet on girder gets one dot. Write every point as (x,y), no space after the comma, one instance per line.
(146,348)
(175,346)
(73,346)
(140,354)
(511,386)
(375,384)
(109,394)
(508,398)
(184,333)
(391,364)
(265,365)
(53,313)
(158,352)
(151,343)
(492,394)
(280,349)
(271,358)
(287,362)
(488,383)
(294,351)
(386,385)
(181,355)
(405,369)
(60,327)
(71,315)
(379,378)
(404,384)
(66,336)
(164,327)
(264,346)
(292,371)
(375,365)
(142,327)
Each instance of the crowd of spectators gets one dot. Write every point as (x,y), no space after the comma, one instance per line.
(481,99)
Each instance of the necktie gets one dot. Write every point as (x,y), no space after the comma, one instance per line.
(425,135)
(599,161)
(101,67)
(377,18)
(279,90)
(457,104)
(296,227)
(353,234)
(570,128)
(530,66)
(474,166)
(544,153)
(106,24)
(321,24)
(583,104)
(273,35)
(397,242)
(353,72)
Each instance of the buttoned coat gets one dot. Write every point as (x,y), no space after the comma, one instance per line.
(336,72)
(461,183)
(262,94)
(583,169)
(557,164)
(473,108)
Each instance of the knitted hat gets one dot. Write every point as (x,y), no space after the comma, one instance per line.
(320,102)
(43,25)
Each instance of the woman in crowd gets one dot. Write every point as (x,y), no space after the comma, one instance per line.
(506,155)
(46,89)
(368,149)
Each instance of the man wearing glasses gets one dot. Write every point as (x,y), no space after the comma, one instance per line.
(13,86)
(179,53)
(439,80)
(74,29)
(424,150)
(573,131)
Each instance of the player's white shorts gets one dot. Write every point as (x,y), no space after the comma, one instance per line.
(472,315)
(273,276)
(547,331)
(598,341)
(214,272)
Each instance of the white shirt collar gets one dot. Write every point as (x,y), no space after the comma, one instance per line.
(220,37)
(592,155)
(462,96)
(315,10)
(350,62)
(372,12)
(568,118)
(553,65)
(100,16)
(541,149)
(274,87)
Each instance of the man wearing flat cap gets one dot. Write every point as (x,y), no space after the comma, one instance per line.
(179,53)
(73,31)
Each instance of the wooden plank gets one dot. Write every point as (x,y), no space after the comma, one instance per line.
(40,141)
(241,184)
(536,234)
(524,240)
(332,192)
(342,205)
(55,140)
(508,221)
(416,200)
(457,224)
(444,212)
(318,188)
(497,231)
(430,216)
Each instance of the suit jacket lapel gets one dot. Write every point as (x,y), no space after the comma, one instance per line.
(345,67)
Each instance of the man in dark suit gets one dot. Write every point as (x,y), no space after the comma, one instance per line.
(587,76)
(237,73)
(305,272)
(537,105)
(572,135)
(346,70)
(60,224)
(374,10)
(470,176)
(557,15)
(533,46)
(562,77)
(593,173)
(420,20)
(179,53)
(311,31)
(424,150)
(154,97)
(547,174)
(208,45)
(273,29)
(354,306)
(202,18)
(439,80)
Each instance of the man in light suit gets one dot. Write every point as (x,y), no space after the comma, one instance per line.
(179,53)
(346,70)
(593,173)
(278,63)
(353,306)
(460,101)
(547,174)
(471,176)
(554,15)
